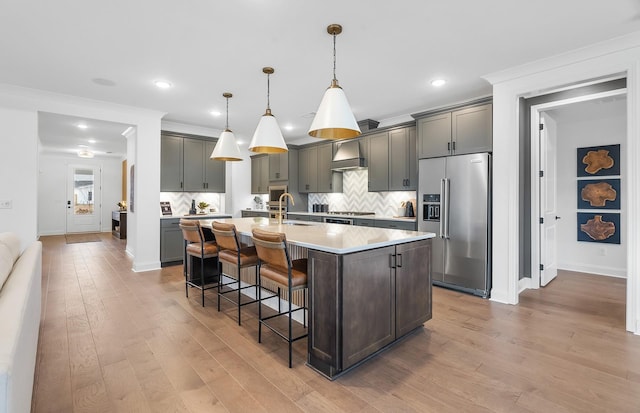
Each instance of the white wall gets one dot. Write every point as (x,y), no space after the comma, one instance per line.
(18,172)
(597,258)
(52,190)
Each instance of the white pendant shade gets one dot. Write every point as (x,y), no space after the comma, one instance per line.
(334,119)
(226,148)
(268,137)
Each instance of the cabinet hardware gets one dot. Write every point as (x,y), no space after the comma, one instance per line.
(180,184)
(392,260)
(454,146)
(399,264)
(449,146)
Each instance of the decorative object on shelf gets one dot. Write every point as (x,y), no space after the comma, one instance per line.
(226,148)
(599,227)
(268,137)
(122,205)
(599,161)
(192,210)
(258,201)
(334,118)
(599,194)
(165,207)
(202,206)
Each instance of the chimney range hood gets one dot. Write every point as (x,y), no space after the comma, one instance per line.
(348,157)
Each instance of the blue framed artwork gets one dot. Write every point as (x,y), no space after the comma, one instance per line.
(599,227)
(599,161)
(599,194)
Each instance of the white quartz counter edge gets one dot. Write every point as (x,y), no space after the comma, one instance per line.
(331,238)
(198,216)
(374,217)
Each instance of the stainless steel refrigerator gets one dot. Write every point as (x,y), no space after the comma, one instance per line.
(455,197)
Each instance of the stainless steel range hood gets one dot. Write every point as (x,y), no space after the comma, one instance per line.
(348,156)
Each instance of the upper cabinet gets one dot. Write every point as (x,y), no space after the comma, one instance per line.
(186,166)
(392,161)
(171,158)
(314,170)
(279,167)
(462,131)
(260,174)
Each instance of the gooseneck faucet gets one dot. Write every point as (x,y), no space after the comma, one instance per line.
(280,214)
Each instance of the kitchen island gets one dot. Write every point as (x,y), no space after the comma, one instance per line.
(368,287)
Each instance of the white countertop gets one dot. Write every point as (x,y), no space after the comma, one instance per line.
(379,217)
(197,216)
(332,238)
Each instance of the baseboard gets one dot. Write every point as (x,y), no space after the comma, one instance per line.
(524,284)
(500,297)
(594,269)
(150,266)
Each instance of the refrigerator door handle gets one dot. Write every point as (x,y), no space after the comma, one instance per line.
(443,212)
(447,184)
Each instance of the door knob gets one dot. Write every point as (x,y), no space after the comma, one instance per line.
(557,217)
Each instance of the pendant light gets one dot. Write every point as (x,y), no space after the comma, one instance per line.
(334,119)
(226,148)
(268,137)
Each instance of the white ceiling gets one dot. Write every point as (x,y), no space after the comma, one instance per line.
(387,54)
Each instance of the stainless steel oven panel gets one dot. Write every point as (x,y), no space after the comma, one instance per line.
(274,194)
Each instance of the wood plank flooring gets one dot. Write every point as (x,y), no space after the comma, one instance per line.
(112,340)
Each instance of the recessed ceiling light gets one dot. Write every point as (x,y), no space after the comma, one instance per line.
(438,82)
(85,153)
(162,84)
(92,141)
(216,113)
(82,126)
(83,146)
(240,142)
(288,126)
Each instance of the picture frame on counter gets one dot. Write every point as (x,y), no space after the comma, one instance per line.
(165,207)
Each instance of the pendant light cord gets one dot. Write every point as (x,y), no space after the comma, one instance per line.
(227,126)
(334,56)
(268,108)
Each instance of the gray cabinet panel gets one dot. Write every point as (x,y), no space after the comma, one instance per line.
(413,285)
(193,166)
(378,162)
(434,136)
(402,160)
(405,225)
(295,217)
(171,159)
(171,241)
(260,174)
(308,170)
(472,129)
(214,171)
(279,167)
(328,180)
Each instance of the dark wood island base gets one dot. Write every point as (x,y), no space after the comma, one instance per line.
(363,302)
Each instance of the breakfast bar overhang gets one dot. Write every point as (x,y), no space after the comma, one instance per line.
(368,287)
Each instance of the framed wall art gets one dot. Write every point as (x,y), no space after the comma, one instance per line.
(599,194)
(599,161)
(599,227)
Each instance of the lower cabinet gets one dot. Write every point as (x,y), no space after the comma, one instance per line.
(406,225)
(171,242)
(253,214)
(296,217)
(362,302)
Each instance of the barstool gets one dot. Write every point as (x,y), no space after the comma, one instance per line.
(233,252)
(195,245)
(276,265)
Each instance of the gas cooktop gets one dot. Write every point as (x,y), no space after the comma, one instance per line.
(354,213)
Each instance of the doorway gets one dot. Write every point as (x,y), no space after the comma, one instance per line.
(84,190)
(592,120)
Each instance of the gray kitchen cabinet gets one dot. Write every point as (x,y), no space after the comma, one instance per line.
(171,241)
(328,180)
(279,166)
(201,173)
(171,158)
(186,166)
(296,217)
(260,174)
(413,289)
(403,169)
(394,224)
(316,218)
(378,162)
(364,222)
(462,131)
(254,214)
(308,169)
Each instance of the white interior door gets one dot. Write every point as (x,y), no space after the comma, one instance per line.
(83,199)
(548,207)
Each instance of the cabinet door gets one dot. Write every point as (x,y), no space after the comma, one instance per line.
(325,174)
(171,242)
(279,167)
(259,174)
(214,170)
(171,164)
(412,160)
(434,136)
(413,285)
(379,162)
(472,129)
(398,159)
(193,165)
(308,170)
(368,303)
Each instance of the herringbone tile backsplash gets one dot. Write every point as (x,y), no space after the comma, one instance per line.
(181,201)
(355,196)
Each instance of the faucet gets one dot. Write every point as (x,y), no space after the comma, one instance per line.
(280,214)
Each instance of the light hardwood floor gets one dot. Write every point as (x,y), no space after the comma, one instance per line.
(112,340)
